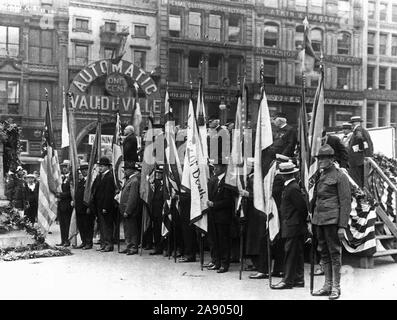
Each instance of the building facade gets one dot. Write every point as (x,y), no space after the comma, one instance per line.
(33,52)
(219,33)
(96,30)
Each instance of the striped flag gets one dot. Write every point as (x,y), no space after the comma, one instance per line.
(172,167)
(307,56)
(194,177)
(137,117)
(50,177)
(304,149)
(93,168)
(264,169)
(200,116)
(315,134)
(117,155)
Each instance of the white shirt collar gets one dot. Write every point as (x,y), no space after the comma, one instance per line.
(283,125)
(220,177)
(286,183)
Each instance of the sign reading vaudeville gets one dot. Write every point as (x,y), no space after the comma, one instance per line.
(116,85)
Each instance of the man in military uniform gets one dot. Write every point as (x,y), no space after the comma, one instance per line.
(331,206)
(360,146)
(293,214)
(130,208)
(85,218)
(65,204)
(103,190)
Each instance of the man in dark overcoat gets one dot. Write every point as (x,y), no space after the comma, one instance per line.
(130,146)
(31,197)
(284,136)
(293,214)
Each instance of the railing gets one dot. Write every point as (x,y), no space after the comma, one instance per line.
(118,30)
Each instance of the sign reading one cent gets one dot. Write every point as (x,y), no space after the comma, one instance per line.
(116,85)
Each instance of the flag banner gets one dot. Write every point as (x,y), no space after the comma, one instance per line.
(117,156)
(307,56)
(137,118)
(264,169)
(50,177)
(315,134)
(303,145)
(74,162)
(202,128)
(65,129)
(196,164)
(93,168)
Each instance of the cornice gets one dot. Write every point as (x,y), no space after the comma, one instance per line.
(107,8)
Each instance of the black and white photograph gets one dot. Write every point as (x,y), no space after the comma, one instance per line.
(206,152)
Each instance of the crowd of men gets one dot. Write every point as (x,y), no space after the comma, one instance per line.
(330,207)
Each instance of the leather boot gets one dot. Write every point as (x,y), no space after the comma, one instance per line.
(335,292)
(326,289)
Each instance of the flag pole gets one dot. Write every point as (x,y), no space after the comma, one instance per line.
(118,218)
(142,227)
(242,210)
(173,215)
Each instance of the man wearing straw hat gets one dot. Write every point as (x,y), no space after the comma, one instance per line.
(293,214)
(331,206)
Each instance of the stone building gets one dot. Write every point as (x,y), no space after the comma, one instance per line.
(33,56)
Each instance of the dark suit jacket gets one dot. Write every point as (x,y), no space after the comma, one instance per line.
(130,201)
(79,198)
(223,200)
(103,193)
(362,140)
(293,211)
(130,148)
(32,196)
(341,155)
(284,140)
(65,196)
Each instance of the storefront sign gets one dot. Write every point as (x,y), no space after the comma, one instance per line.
(344,60)
(116,85)
(381,95)
(297,99)
(205,6)
(276,53)
(312,17)
(106,140)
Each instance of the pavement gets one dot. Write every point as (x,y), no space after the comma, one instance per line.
(94,275)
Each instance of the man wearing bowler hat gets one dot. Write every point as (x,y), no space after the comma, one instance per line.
(65,204)
(360,146)
(331,206)
(103,190)
(284,136)
(130,207)
(293,214)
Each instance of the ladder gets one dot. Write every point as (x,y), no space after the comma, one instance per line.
(385,226)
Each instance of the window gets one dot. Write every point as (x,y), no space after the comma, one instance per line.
(382,44)
(194,25)
(110,26)
(174,66)
(393,79)
(298,73)
(82,24)
(393,115)
(270,35)
(37,99)
(140,59)
(81,54)
(371,10)
(9,96)
(215,27)
(317,39)
(394,45)
(370,77)
(140,31)
(344,42)
(270,69)
(234,28)
(194,62)
(370,114)
(371,43)
(174,22)
(394,13)
(108,53)
(382,78)
(343,6)
(9,41)
(214,62)
(382,115)
(383,11)
(272,3)
(299,37)
(343,80)
(234,69)
(40,46)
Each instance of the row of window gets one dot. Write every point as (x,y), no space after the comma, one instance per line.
(315,5)
(381,119)
(387,44)
(83,25)
(384,11)
(384,81)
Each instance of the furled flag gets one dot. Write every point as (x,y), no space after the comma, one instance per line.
(307,57)
(172,167)
(117,155)
(93,168)
(194,176)
(136,115)
(50,177)
(264,169)
(315,133)
(74,162)
(200,116)
(304,149)
(65,129)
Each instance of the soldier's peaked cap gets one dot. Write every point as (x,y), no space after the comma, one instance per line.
(326,151)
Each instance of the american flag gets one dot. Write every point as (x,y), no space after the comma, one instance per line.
(117,154)
(50,177)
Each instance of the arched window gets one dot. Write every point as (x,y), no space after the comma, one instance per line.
(344,43)
(270,34)
(316,36)
(299,37)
